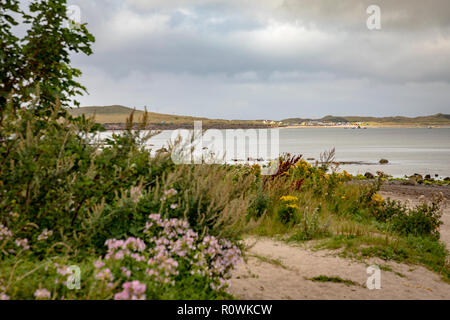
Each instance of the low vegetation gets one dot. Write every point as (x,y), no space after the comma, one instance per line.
(333,280)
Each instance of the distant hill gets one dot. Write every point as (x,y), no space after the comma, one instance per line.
(437,119)
(107,110)
(117,114)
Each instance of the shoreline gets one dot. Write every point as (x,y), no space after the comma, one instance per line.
(122,126)
(378,126)
(416,190)
(189,126)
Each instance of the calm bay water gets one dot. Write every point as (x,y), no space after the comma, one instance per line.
(409,150)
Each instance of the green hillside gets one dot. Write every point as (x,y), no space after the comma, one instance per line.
(117,114)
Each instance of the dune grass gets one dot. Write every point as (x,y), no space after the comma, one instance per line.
(323,278)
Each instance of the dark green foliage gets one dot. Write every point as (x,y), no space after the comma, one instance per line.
(422,220)
(259,204)
(286,214)
(323,278)
(35,70)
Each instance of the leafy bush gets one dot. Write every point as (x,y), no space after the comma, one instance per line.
(258,204)
(423,220)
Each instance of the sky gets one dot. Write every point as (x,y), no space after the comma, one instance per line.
(268,59)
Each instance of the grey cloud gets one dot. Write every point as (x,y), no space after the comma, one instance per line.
(231,58)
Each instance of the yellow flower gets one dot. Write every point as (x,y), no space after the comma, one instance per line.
(292,206)
(343,198)
(289,198)
(377,198)
(347,175)
(304,164)
(256,168)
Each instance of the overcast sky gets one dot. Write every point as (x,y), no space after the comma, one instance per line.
(274,59)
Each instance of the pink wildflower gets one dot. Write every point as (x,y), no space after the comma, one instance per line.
(133,290)
(5,234)
(4,296)
(42,294)
(23,243)
(44,235)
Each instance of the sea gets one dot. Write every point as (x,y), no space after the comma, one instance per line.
(408,150)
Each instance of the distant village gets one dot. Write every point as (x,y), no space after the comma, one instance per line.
(316,123)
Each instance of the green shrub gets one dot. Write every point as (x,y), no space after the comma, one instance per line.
(286,213)
(259,204)
(310,227)
(423,220)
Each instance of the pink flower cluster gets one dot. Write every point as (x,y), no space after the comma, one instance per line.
(223,257)
(5,234)
(45,234)
(119,249)
(170,246)
(104,275)
(63,270)
(133,290)
(3,295)
(42,294)
(23,243)
(172,240)
(125,272)
(135,193)
(168,194)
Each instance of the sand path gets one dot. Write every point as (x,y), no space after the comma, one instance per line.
(278,270)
